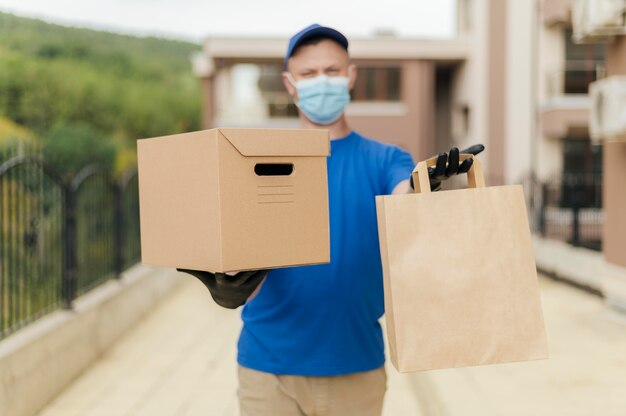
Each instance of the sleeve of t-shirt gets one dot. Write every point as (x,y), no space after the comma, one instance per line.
(398,167)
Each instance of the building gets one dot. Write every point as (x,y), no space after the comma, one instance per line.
(424,95)
(565,71)
(598,22)
(394,98)
(512,78)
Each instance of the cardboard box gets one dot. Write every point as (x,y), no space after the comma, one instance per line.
(234,199)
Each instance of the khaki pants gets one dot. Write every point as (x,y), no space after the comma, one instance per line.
(266,394)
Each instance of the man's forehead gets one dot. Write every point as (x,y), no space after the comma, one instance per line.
(322,53)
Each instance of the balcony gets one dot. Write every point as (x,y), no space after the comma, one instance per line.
(575,79)
(568,103)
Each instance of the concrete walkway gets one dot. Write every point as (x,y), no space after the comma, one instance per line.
(181,361)
(585,374)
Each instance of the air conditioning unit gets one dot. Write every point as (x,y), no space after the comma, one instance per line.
(608,109)
(598,20)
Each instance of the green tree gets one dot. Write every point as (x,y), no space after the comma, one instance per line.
(70,147)
(123,86)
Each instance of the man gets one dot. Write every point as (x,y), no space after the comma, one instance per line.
(311,343)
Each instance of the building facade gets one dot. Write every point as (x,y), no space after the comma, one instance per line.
(424,95)
(512,78)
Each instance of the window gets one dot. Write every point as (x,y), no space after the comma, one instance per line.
(278,101)
(583,65)
(582,173)
(377,84)
(372,84)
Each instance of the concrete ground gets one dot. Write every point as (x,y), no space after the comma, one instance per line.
(181,361)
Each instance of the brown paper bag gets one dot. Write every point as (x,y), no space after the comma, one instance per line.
(460,281)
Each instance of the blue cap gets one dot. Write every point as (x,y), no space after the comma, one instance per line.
(314,31)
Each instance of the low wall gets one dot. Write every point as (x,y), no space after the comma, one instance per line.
(40,360)
(583,268)
(614,287)
(579,266)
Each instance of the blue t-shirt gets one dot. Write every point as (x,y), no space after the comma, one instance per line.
(323,320)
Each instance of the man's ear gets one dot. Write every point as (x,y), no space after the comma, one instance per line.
(351,76)
(287,83)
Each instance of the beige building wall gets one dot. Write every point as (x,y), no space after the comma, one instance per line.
(496,87)
(550,63)
(614,185)
(408,123)
(463,134)
(520,127)
(475,85)
(470,81)
(551,54)
(496,82)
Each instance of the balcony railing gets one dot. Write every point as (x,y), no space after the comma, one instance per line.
(575,79)
(568,208)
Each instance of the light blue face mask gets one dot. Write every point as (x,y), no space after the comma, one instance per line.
(322,99)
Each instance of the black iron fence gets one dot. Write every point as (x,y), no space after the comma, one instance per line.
(568,208)
(60,236)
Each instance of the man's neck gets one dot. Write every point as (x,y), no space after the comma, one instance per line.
(336,130)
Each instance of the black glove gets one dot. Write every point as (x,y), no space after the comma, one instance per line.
(229,291)
(448,166)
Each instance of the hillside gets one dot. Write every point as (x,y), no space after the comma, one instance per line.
(122,86)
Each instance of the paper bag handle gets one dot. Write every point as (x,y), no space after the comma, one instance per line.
(475,178)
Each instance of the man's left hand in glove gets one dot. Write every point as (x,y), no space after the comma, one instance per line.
(448,166)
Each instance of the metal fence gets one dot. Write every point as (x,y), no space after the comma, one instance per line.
(568,208)
(60,236)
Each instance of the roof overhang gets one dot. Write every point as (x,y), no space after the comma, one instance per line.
(239,48)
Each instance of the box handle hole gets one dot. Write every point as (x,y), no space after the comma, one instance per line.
(273,169)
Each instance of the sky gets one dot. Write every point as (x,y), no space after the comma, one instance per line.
(195,20)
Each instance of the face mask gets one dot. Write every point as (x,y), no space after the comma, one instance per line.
(322,99)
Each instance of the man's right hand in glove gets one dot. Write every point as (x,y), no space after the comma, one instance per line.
(229,291)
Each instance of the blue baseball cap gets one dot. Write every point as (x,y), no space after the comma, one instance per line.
(311,32)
